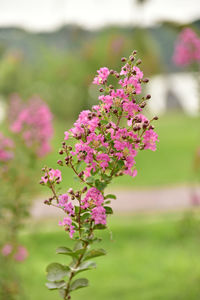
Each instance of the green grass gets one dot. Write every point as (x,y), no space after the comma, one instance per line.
(150,258)
(170,164)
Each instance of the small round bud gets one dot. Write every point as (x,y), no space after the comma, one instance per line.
(151,127)
(145,80)
(155,118)
(80,174)
(143,104)
(111,72)
(84,189)
(138,62)
(46,202)
(61,152)
(101,90)
(115,111)
(134,52)
(131,57)
(63,143)
(77,195)
(59,162)
(123,59)
(148,97)
(70,191)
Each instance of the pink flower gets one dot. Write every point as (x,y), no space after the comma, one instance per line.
(149,140)
(6,148)
(103,159)
(53,175)
(131,82)
(66,135)
(7,249)
(102,76)
(187,48)
(67,223)
(21,254)
(93,197)
(67,206)
(33,121)
(99,215)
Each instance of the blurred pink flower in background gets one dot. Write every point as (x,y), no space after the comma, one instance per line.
(7,249)
(187,48)
(33,120)
(6,146)
(21,253)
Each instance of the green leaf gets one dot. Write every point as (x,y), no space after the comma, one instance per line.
(107,202)
(109,210)
(79,283)
(78,245)
(120,163)
(56,271)
(88,265)
(76,209)
(85,216)
(100,185)
(55,285)
(62,293)
(94,253)
(90,180)
(110,196)
(104,122)
(64,250)
(100,227)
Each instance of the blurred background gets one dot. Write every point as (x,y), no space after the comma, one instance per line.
(52,49)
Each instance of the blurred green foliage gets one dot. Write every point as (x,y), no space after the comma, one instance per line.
(149,258)
(62,76)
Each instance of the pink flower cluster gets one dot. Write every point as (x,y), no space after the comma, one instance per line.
(6,147)
(102,76)
(108,139)
(187,48)
(33,121)
(67,223)
(52,176)
(65,204)
(19,254)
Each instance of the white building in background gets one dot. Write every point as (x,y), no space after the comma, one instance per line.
(174,91)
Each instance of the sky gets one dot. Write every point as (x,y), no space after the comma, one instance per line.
(44,15)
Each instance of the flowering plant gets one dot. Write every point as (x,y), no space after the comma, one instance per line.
(187,48)
(107,140)
(30,131)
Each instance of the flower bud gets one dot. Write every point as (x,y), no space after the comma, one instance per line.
(145,80)
(77,195)
(138,62)
(59,162)
(46,202)
(61,152)
(84,189)
(123,59)
(143,104)
(155,118)
(70,191)
(148,96)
